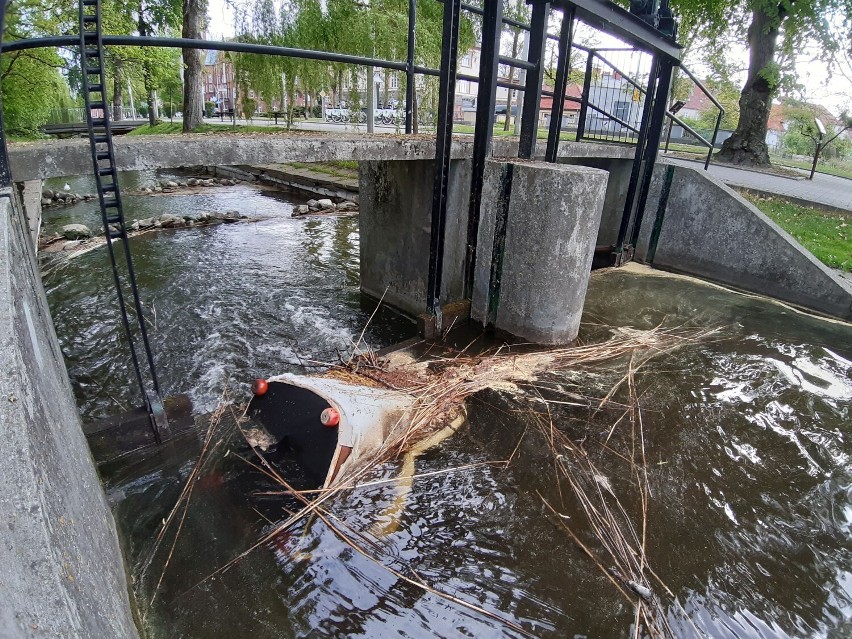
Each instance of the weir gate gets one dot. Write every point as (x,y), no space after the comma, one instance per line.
(485,212)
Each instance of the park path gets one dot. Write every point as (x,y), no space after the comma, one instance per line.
(828,190)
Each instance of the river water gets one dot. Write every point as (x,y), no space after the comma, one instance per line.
(748,442)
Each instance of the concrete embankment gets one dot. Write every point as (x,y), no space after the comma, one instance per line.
(338,185)
(63,574)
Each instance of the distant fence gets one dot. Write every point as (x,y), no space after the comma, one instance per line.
(72,115)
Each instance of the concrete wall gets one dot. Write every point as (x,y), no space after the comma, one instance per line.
(62,570)
(711,232)
(396,222)
(31,201)
(532,284)
(616,192)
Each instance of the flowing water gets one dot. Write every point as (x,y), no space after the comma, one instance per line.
(234,301)
(747,438)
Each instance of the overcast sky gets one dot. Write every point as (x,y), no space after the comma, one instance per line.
(813,74)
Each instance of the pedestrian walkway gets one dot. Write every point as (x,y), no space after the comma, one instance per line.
(828,190)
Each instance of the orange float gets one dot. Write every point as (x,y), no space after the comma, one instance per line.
(259,387)
(330,418)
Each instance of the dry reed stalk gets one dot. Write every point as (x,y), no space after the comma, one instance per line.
(438,395)
(390,480)
(186,494)
(325,516)
(609,522)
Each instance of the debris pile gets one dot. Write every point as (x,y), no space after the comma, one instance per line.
(613,538)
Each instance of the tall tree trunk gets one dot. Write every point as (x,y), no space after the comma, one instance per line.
(147,75)
(194,12)
(748,143)
(118,90)
(511,79)
(386,89)
(151,96)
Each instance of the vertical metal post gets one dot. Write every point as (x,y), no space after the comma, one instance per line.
(713,139)
(563,67)
(652,142)
(486,99)
(630,200)
(443,147)
(409,68)
(532,86)
(584,99)
(654,240)
(669,135)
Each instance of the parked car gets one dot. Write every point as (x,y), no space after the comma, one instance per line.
(500,109)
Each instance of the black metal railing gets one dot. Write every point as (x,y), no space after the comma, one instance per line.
(611,100)
(698,137)
(639,123)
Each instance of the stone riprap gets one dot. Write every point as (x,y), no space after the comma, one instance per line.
(81,238)
(325,207)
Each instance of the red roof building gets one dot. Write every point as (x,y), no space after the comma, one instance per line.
(573,91)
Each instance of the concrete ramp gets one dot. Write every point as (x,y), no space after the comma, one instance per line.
(708,230)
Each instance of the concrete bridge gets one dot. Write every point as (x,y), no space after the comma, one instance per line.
(39,160)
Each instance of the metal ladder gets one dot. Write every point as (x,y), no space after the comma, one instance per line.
(109,196)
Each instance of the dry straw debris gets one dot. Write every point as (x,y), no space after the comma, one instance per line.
(613,540)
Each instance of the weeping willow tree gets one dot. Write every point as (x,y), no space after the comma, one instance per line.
(370,29)
(30,81)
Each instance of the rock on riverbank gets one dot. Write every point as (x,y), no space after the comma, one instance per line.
(79,237)
(63,198)
(50,198)
(325,207)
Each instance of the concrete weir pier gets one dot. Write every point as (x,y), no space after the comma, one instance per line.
(537,231)
(395,226)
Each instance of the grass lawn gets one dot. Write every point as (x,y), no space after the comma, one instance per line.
(826,234)
(685,148)
(168,128)
(343,168)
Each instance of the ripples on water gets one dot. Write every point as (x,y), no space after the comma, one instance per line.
(748,443)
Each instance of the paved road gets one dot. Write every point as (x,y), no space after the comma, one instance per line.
(824,189)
